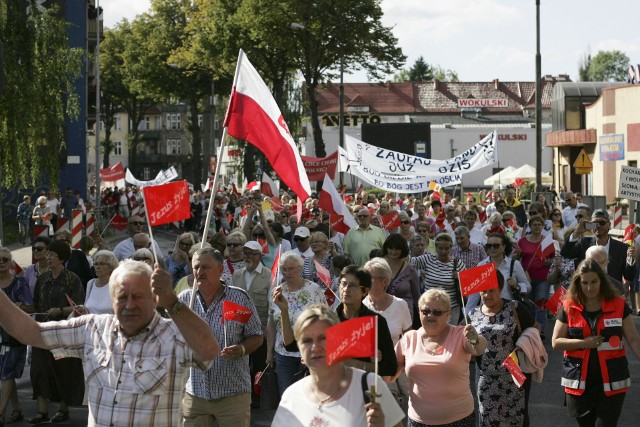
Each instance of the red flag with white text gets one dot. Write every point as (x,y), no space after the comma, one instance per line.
(237,312)
(331,202)
(254,116)
(390,220)
(118,222)
(167,203)
(351,338)
(512,365)
(555,302)
(478,279)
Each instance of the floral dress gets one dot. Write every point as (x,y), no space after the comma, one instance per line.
(501,401)
(298,300)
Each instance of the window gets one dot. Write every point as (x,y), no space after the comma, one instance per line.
(200,121)
(174,146)
(117,123)
(146,173)
(174,121)
(147,122)
(117,148)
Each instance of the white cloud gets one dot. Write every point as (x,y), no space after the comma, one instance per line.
(115,10)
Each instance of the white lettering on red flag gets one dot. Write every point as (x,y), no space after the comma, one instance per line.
(167,203)
(351,338)
(478,279)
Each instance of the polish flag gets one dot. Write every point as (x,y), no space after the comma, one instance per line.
(254,116)
(546,248)
(331,202)
(253,185)
(275,270)
(482,217)
(268,187)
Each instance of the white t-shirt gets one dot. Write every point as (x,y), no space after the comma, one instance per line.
(297,410)
(397,316)
(98,300)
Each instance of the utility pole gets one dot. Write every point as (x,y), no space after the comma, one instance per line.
(538,102)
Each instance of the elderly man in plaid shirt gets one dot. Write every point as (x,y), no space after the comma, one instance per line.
(134,361)
(222,393)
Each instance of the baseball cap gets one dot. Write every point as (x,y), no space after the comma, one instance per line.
(600,213)
(253,245)
(302,232)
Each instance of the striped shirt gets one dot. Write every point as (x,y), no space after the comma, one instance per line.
(225,377)
(471,256)
(439,274)
(136,381)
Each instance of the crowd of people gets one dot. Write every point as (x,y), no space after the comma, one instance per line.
(148,327)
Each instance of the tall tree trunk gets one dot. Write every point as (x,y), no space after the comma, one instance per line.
(315,122)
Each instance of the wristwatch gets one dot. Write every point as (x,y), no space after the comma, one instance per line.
(175,308)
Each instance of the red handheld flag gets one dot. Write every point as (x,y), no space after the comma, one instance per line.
(630,233)
(254,116)
(391,220)
(167,203)
(264,245)
(555,302)
(237,312)
(323,273)
(482,217)
(511,363)
(118,222)
(478,279)
(351,338)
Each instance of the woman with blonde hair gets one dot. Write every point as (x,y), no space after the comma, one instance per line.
(331,395)
(178,261)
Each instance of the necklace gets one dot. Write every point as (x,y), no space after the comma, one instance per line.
(329,395)
(320,401)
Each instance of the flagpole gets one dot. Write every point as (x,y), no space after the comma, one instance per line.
(375,383)
(225,334)
(464,309)
(214,186)
(153,247)
(107,226)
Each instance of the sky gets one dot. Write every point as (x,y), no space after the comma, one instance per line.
(484,40)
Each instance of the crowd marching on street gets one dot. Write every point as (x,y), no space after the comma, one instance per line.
(193,336)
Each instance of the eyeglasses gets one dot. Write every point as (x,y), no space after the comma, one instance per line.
(38,248)
(288,269)
(3,260)
(299,239)
(406,222)
(556,214)
(569,199)
(600,223)
(579,216)
(103,264)
(492,245)
(234,245)
(363,216)
(136,258)
(436,313)
(136,223)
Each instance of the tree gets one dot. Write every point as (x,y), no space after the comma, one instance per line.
(39,71)
(443,75)
(583,66)
(605,66)
(420,71)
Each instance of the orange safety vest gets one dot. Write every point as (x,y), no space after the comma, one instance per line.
(611,353)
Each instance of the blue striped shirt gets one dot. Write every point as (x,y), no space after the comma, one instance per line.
(225,377)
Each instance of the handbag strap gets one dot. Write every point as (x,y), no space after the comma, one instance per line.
(365,388)
(514,308)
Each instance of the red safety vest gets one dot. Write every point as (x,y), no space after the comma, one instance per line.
(611,353)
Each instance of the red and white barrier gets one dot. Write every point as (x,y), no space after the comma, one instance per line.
(76,228)
(617,217)
(62,224)
(90,225)
(40,231)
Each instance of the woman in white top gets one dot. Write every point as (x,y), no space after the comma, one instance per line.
(331,395)
(98,300)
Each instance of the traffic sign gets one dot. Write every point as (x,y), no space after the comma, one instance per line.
(583,171)
(583,161)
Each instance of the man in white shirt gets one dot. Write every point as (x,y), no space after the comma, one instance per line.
(303,247)
(127,247)
(570,211)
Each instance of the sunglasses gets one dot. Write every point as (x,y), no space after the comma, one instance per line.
(600,223)
(299,239)
(39,248)
(363,216)
(406,222)
(3,260)
(136,223)
(579,216)
(233,245)
(492,245)
(428,311)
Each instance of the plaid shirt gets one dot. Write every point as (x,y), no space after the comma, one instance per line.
(470,257)
(225,377)
(137,381)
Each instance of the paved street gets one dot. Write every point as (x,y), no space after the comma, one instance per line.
(547,398)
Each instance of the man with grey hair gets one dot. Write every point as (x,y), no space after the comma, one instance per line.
(222,393)
(359,241)
(470,253)
(126,248)
(599,254)
(133,355)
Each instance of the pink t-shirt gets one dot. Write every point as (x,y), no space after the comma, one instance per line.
(439,391)
(531,262)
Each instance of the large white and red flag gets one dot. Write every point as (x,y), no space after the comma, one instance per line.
(254,116)
(546,248)
(331,201)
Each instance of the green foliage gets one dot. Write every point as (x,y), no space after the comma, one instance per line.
(583,67)
(443,75)
(421,71)
(39,74)
(605,66)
